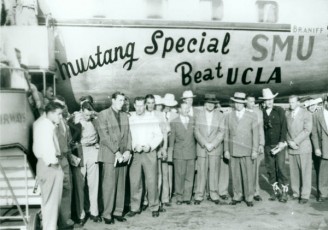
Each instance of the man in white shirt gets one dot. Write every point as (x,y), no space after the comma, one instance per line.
(146,136)
(49,173)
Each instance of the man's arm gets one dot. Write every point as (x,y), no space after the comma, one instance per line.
(307,128)
(200,139)
(283,122)
(220,134)
(157,135)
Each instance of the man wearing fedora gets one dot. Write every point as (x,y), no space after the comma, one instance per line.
(167,166)
(275,132)
(250,106)
(188,97)
(320,143)
(241,145)
(209,133)
(299,127)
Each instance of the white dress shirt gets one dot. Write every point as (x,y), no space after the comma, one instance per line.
(184,120)
(45,142)
(325,115)
(89,134)
(294,112)
(145,130)
(240,113)
(268,111)
(209,117)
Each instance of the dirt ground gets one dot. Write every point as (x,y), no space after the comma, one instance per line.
(264,215)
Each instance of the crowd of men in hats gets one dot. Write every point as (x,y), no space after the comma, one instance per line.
(166,148)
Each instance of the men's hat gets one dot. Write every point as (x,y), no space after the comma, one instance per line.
(187,94)
(267,94)
(158,100)
(169,100)
(239,97)
(312,102)
(211,98)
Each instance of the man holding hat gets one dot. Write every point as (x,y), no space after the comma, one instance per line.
(209,133)
(167,166)
(241,147)
(275,132)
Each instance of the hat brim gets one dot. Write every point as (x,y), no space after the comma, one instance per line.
(170,103)
(268,98)
(211,101)
(188,97)
(238,100)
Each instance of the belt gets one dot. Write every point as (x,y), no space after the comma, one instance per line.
(88,145)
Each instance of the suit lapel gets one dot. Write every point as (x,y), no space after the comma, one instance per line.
(113,121)
(323,121)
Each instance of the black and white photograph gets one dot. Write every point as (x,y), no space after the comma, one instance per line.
(164,114)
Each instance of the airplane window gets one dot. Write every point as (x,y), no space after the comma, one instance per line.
(267,11)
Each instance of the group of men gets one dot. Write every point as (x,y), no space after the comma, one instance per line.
(163,136)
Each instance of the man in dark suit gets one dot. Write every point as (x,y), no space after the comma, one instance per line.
(275,131)
(320,143)
(241,147)
(183,145)
(114,152)
(299,127)
(209,133)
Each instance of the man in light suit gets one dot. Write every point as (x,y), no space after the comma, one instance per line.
(320,143)
(241,147)
(183,145)
(114,152)
(209,133)
(250,106)
(299,127)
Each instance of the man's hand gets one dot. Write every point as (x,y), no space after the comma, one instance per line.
(209,147)
(126,156)
(282,145)
(318,152)
(227,155)
(261,149)
(292,145)
(97,146)
(138,149)
(119,157)
(146,148)
(254,155)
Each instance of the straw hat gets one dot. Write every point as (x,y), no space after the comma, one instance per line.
(187,94)
(267,94)
(169,100)
(239,97)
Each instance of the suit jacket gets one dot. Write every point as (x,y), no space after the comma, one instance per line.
(182,139)
(259,114)
(242,136)
(113,138)
(320,133)
(214,136)
(299,130)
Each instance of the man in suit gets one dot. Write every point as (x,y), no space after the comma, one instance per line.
(146,137)
(182,143)
(299,127)
(275,131)
(320,143)
(209,133)
(241,145)
(188,97)
(64,138)
(114,152)
(250,106)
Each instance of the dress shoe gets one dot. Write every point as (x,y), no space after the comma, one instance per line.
(155,214)
(197,202)
(95,219)
(80,222)
(187,202)
(303,201)
(258,198)
(179,202)
(272,197)
(132,214)
(167,204)
(119,218)
(249,204)
(216,201)
(234,202)
(161,209)
(109,221)
(322,199)
(224,197)
(208,198)
(144,207)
